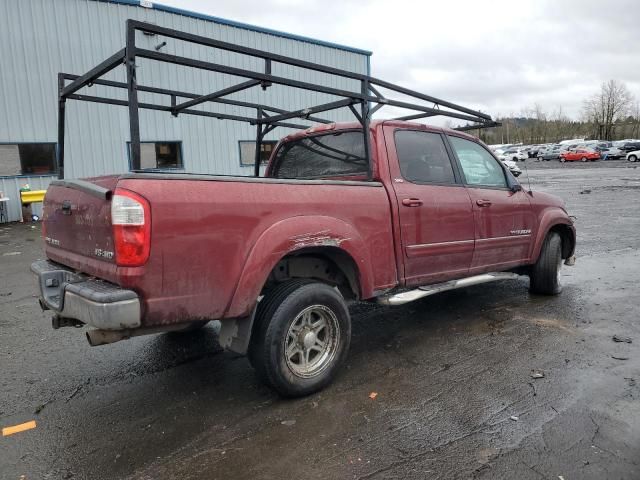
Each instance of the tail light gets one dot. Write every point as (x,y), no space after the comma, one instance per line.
(131,221)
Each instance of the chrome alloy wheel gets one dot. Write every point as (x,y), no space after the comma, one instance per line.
(312,341)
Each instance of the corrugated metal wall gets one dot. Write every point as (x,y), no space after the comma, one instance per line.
(11,186)
(39,38)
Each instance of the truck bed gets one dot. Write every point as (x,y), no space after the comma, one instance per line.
(209,234)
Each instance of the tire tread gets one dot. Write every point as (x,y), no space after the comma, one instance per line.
(543,275)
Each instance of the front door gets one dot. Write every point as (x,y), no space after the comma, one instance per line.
(503,217)
(434,208)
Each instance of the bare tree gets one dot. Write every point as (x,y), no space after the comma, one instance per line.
(635,114)
(606,107)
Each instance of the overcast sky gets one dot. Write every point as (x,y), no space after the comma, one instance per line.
(497,56)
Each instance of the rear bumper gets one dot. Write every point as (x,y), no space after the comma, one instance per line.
(94,302)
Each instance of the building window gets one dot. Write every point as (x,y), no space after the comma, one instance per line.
(27,159)
(159,155)
(248,152)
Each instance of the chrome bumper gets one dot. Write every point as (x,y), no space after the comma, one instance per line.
(75,296)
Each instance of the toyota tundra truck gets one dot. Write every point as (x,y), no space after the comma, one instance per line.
(277,259)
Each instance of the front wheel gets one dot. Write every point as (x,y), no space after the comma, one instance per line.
(584,159)
(545,273)
(632,158)
(302,337)
(562,159)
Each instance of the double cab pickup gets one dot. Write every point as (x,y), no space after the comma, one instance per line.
(277,259)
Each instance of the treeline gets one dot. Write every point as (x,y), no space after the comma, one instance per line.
(610,114)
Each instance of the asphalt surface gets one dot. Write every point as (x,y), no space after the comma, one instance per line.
(454,377)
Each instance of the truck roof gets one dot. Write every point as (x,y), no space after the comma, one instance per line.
(326,127)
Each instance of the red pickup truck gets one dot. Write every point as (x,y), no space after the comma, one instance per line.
(277,259)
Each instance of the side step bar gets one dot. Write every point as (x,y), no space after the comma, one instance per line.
(421,292)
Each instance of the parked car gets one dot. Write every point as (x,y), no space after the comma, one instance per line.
(279,257)
(551,153)
(513,167)
(627,147)
(579,154)
(608,152)
(530,150)
(633,156)
(514,154)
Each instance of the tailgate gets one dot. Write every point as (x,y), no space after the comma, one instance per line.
(77,220)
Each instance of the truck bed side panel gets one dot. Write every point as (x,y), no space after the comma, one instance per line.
(203,232)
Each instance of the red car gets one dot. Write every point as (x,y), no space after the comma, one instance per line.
(581,154)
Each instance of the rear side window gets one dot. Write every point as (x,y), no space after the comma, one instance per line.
(330,155)
(423,157)
(479,167)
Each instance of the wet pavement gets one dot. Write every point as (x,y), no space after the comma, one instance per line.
(455,377)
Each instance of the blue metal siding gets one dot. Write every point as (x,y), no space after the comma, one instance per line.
(39,38)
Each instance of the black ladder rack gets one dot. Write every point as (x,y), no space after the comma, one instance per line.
(367,100)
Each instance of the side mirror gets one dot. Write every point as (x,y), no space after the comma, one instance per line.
(516,187)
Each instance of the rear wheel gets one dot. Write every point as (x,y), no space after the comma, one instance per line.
(562,159)
(302,337)
(632,158)
(545,273)
(583,159)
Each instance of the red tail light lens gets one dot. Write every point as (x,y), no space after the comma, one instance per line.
(131,221)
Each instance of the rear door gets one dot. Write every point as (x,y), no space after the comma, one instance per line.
(434,208)
(503,218)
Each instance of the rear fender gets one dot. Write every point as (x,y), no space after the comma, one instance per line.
(288,236)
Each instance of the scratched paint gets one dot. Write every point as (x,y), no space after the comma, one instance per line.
(317,239)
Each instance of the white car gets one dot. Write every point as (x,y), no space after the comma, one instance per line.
(513,167)
(514,154)
(633,156)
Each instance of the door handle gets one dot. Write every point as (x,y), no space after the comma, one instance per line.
(483,203)
(411,202)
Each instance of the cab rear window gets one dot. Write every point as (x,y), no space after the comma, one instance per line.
(337,154)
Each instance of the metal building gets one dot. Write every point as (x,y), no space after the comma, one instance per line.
(40,38)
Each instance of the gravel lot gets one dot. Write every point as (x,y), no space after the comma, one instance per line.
(453,373)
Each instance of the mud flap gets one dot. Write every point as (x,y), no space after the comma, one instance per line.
(235,333)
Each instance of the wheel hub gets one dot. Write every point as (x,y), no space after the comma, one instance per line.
(311,342)
(308,339)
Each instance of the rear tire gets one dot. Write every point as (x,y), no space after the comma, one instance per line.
(584,159)
(562,159)
(302,337)
(632,158)
(545,273)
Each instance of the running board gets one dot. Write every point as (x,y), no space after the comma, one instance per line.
(421,292)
